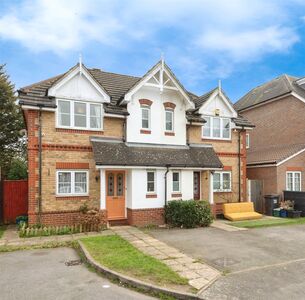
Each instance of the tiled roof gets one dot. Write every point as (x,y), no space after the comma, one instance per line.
(272,154)
(121,154)
(243,122)
(116,86)
(280,86)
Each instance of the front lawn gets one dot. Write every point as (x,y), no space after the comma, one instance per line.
(119,255)
(266,222)
(2,229)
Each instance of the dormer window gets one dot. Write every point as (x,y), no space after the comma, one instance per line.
(79,115)
(145,117)
(217,128)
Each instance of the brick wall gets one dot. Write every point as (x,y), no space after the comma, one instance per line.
(277,122)
(142,217)
(62,150)
(228,153)
(58,218)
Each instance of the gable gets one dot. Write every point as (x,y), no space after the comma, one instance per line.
(218,102)
(162,79)
(80,85)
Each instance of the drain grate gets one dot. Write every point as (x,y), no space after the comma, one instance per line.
(71,263)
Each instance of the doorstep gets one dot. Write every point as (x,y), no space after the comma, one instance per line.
(118,222)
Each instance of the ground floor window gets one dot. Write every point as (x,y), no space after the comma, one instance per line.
(293,181)
(222,182)
(151,181)
(176,181)
(72,182)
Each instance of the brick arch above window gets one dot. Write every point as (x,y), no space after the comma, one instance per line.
(169,105)
(145,102)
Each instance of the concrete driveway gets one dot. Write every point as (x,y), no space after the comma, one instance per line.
(43,274)
(265,263)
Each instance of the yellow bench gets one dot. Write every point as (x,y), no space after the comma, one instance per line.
(240,211)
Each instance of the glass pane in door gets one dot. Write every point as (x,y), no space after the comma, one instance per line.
(110,187)
(120,184)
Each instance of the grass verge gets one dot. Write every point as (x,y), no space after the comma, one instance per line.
(2,229)
(39,246)
(268,222)
(118,255)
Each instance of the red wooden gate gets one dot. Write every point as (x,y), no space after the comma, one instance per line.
(15,199)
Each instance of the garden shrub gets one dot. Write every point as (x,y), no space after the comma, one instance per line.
(188,214)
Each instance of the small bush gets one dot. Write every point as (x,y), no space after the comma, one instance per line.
(188,214)
(18,170)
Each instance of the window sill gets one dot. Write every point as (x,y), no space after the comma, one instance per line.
(82,131)
(216,140)
(222,191)
(72,197)
(176,195)
(168,133)
(151,196)
(145,131)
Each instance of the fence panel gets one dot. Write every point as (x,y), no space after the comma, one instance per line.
(15,199)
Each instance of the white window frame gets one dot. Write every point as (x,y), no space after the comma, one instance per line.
(210,136)
(155,182)
(147,107)
(247,140)
(293,180)
(170,110)
(72,116)
(221,181)
(179,174)
(72,172)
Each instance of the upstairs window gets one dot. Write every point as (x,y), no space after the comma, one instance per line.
(293,181)
(145,110)
(169,120)
(217,128)
(79,115)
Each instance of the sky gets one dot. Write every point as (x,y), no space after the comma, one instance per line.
(243,43)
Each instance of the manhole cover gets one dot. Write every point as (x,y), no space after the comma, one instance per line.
(225,262)
(71,263)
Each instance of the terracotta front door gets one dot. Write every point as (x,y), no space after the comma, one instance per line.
(115,194)
(196,185)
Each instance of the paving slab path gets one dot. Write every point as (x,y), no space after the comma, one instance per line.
(199,274)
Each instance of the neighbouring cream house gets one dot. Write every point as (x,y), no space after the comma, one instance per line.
(128,145)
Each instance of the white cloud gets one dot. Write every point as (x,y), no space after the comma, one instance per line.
(248,44)
(214,36)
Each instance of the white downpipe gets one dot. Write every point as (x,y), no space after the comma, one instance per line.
(211,192)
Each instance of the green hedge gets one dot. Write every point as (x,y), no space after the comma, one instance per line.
(188,214)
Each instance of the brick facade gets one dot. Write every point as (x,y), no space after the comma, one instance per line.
(71,149)
(228,152)
(68,149)
(279,122)
(147,216)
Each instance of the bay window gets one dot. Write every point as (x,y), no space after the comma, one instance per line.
(222,182)
(79,115)
(71,183)
(217,128)
(293,181)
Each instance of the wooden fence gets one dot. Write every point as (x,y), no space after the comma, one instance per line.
(15,199)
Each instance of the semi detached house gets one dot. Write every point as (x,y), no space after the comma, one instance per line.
(128,145)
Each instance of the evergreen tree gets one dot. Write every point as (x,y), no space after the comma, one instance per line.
(11,122)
